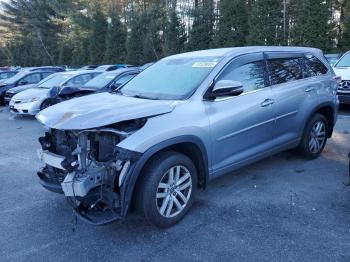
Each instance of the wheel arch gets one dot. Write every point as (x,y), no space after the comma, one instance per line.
(328,111)
(190,146)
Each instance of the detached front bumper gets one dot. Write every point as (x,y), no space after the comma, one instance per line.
(31,108)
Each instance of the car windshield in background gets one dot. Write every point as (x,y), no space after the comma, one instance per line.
(56,80)
(170,78)
(100,81)
(344,61)
(15,78)
(6,75)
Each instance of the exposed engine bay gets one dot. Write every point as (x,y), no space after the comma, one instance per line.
(89,168)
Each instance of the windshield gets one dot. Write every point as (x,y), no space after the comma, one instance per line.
(344,61)
(101,81)
(56,80)
(171,78)
(16,77)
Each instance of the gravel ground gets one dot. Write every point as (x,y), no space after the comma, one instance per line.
(280,209)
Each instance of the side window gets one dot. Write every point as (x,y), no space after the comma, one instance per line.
(313,66)
(284,70)
(30,79)
(79,80)
(123,79)
(46,74)
(251,75)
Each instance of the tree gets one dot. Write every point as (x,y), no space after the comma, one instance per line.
(146,38)
(34,23)
(311,24)
(344,40)
(115,41)
(232,27)
(97,46)
(135,40)
(266,23)
(201,33)
(175,35)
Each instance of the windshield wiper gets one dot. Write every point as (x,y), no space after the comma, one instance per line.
(144,97)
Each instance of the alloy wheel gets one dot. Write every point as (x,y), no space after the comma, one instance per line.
(174,191)
(317,137)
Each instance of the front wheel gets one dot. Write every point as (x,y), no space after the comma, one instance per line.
(315,137)
(167,188)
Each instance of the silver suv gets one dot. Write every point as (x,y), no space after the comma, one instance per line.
(182,122)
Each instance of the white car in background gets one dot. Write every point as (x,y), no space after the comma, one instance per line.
(342,69)
(33,100)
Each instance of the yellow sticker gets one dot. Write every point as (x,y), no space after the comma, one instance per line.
(204,64)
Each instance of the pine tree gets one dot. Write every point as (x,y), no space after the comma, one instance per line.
(310,24)
(232,27)
(266,23)
(115,41)
(175,35)
(97,46)
(201,33)
(344,41)
(135,40)
(65,55)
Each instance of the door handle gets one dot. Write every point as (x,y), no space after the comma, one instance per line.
(310,88)
(267,102)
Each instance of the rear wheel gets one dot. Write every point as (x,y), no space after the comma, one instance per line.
(167,188)
(314,137)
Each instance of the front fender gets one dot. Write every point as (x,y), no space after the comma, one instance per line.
(135,170)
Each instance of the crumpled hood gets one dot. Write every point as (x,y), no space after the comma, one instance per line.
(344,72)
(99,110)
(18,89)
(32,92)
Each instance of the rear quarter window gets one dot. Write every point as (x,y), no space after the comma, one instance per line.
(313,66)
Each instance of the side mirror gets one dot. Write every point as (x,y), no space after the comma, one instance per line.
(22,83)
(54,91)
(227,88)
(115,86)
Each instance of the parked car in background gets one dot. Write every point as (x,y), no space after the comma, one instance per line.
(89,67)
(145,66)
(105,82)
(7,74)
(24,77)
(342,69)
(31,101)
(13,91)
(113,67)
(332,58)
(184,121)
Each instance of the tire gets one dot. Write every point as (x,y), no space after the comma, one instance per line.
(163,203)
(315,137)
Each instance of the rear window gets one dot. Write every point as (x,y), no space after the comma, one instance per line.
(313,66)
(284,70)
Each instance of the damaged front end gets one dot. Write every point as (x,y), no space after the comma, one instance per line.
(89,168)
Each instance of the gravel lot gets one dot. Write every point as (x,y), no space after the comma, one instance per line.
(280,209)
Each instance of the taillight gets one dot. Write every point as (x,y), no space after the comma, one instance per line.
(337,79)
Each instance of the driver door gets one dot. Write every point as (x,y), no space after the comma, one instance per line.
(241,126)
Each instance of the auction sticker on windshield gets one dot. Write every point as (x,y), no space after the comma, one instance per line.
(204,64)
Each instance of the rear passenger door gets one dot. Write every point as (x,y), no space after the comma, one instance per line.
(294,95)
